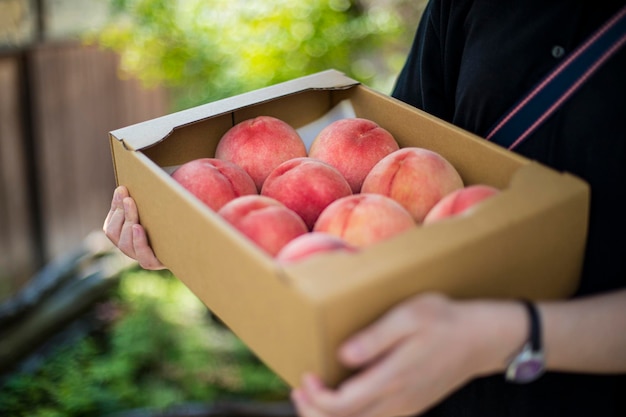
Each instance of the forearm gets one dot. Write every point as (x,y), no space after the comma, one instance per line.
(586,334)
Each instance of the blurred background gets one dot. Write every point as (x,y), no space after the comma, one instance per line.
(83,330)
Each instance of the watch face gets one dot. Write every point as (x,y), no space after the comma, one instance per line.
(528,370)
(526,367)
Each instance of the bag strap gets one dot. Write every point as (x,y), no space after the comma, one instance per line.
(560,84)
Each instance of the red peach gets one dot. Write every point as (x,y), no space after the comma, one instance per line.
(353,146)
(363,219)
(313,243)
(265,221)
(415,177)
(213,181)
(460,201)
(259,145)
(306,186)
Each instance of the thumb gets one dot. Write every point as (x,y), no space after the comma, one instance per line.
(377,339)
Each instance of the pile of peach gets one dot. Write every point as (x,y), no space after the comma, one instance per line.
(355,186)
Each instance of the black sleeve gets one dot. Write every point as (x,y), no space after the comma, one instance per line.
(428,78)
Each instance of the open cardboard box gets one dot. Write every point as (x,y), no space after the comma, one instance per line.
(526,242)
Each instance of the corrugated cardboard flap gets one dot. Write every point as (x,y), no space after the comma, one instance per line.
(145,134)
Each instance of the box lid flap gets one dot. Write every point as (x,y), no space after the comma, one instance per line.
(145,134)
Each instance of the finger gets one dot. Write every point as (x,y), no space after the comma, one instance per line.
(143,250)
(114,220)
(131,217)
(405,382)
(388,406)
(397,381)
(383,379)
(342,402)
(303,405)
(381,336)
(119,194)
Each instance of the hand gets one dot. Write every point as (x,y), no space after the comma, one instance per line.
(122,228)
(414,356)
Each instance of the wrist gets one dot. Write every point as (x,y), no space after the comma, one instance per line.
(501,329)
(529,362)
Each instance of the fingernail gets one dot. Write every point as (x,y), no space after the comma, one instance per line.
(117,196)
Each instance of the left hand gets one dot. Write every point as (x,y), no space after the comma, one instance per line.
(414,356)
(122,227)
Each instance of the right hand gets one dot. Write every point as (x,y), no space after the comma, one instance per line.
(122,228)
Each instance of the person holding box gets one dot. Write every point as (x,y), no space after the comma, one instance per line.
(546,80)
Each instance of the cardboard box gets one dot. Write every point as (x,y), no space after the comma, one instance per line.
(526,242)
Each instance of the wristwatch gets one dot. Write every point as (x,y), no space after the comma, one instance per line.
(529,363)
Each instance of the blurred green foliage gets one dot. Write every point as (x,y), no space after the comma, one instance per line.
(162,348)
(205,50)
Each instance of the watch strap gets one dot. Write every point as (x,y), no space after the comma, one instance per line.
(529,363)
(534,330)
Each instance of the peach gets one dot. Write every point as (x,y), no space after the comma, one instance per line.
(353,146)
(313,243)
(459,202)
(265,221)
(306,186)
(363,219)
(213,181)
(259,145)
(415,177)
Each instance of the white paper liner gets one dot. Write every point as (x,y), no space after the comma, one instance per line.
(343,110)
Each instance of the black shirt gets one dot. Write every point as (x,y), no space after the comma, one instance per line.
(471,60)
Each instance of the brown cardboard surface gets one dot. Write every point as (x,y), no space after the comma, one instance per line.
(526,242)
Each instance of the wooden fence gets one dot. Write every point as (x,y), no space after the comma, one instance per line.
(57,104)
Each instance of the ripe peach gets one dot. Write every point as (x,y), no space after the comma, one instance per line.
(353,146)
(311,244)
(459,202)
(363,219)
(415,177)
(213,181)
(265,221)
(306,186)
(259,145)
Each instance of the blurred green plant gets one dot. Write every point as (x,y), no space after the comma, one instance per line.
(205,50)
(162,349)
